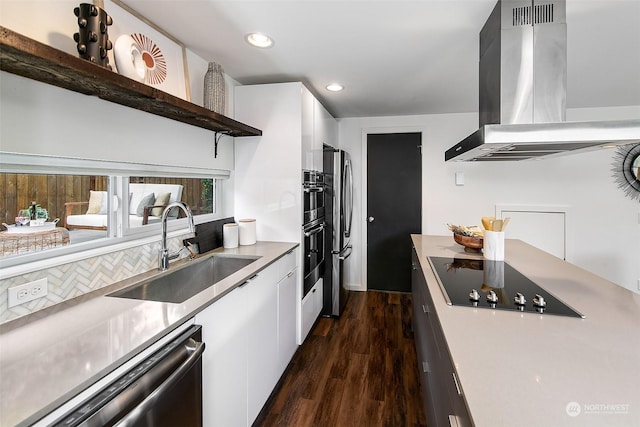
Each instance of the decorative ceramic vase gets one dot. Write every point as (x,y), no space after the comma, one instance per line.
(214,88)
(92,38)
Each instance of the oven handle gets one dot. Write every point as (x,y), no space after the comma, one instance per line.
(314,231)
(196,349)
(313,189)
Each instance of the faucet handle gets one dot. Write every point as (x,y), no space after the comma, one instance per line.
(191,249)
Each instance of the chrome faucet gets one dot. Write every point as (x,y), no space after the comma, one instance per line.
(165,255)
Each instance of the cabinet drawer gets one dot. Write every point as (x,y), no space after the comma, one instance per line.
(311,307)
(287,263)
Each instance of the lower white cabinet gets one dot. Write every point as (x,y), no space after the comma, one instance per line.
(287,321)
(311,308)
(248,335)
(224,361)
(262,339)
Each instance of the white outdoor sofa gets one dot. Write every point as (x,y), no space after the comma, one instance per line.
(146,204)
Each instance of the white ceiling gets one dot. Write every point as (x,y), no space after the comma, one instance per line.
(396,57)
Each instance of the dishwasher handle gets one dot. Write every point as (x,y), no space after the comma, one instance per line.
(196,348)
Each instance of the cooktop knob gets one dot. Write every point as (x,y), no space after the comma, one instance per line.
(519,299)
(539,301)
(474,296)
(492,297)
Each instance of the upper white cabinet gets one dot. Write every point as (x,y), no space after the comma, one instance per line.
(325,131)
(308,129)
(268,169)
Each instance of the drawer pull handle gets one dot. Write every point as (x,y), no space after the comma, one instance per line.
(425,367)
(290,273)
(455,381)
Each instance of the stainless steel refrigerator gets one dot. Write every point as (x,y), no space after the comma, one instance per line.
(338,217)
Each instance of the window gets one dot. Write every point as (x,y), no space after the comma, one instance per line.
(85,200)
(64,204)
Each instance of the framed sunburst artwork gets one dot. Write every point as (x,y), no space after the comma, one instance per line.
(144,52)
(626,170)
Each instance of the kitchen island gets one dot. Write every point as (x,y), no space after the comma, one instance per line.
(50,356)
(530,369)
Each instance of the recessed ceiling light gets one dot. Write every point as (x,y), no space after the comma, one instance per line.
(259,40)
(334,87)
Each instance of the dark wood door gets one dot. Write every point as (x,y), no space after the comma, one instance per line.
(394,208)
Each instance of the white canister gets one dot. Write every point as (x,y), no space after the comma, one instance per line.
(230,235)
(493,245)
(247,229)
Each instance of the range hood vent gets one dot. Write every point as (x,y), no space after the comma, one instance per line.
(523,15)
(522,103)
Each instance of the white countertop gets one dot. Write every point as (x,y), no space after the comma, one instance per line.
(526,369)
(51,356)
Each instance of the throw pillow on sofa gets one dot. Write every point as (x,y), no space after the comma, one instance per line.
(146,201)
(96,200)
(162,199)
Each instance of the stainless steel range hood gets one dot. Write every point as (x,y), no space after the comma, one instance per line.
(523,80)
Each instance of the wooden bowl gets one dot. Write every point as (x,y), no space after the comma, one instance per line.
(471,244)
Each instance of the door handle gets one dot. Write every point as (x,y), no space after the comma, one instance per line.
(371,219)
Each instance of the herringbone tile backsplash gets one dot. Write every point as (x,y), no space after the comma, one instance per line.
(77,278)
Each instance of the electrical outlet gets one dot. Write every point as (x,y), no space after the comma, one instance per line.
(28,292)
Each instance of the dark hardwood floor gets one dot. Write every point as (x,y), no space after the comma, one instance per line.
(359,370)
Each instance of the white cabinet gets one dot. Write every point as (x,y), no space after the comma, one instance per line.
(308,130)
(261,304)
(311,308)
(287,325)
(268,168)
(325,131)
(248,335)
(224,361)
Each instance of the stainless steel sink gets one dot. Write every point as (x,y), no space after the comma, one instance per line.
(182,283)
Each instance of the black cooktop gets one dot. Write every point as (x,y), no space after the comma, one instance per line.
(497,286)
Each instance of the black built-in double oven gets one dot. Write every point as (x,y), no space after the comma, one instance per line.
(313,227)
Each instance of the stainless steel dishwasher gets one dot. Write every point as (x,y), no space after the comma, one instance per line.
(164,389)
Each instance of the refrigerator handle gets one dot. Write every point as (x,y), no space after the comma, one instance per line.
(347,196)
(347,253)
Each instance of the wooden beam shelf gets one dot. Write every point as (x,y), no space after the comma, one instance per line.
(28,58)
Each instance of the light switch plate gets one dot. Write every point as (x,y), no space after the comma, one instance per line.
(459,178)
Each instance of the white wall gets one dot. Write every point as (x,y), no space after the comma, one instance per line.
(43,119)
(604,226)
